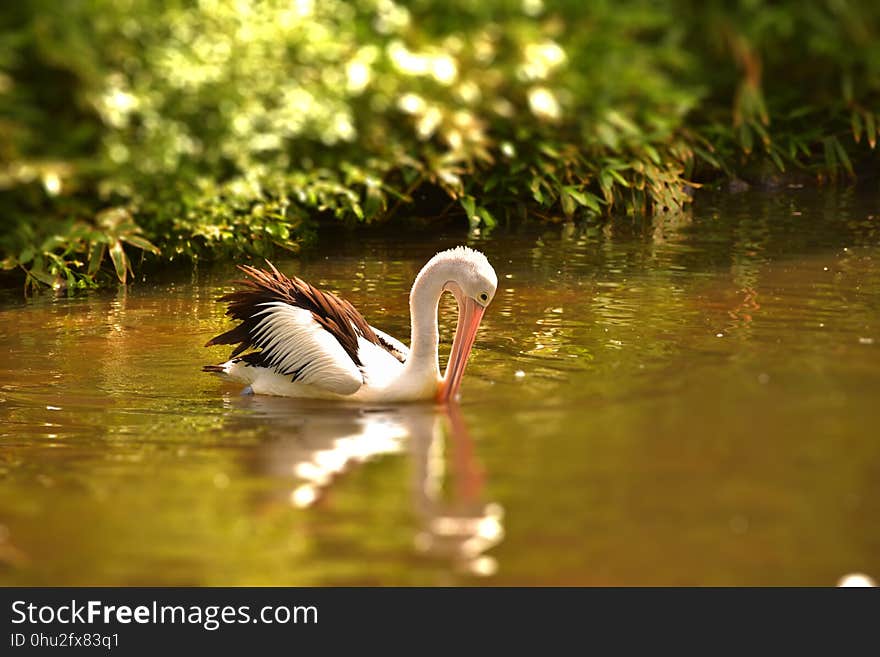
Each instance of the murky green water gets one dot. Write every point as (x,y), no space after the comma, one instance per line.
(688,400)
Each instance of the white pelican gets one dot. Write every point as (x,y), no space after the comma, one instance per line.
(313,344)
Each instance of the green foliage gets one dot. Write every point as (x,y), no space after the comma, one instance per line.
(210,128)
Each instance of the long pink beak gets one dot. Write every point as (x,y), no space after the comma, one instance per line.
(469,315)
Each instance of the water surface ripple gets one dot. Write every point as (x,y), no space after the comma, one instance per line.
(688,399)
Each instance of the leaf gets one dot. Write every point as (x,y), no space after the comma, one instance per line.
(762,133)
(96,256)
(805,149)
(141,243)
(870,129)
(568,205)
(488,220)
(469,205)
(620,179)
(26,255)
(801,111)
(746,139)
(776,159)
(606,183)
(856,122)
(623,122)
(538,195)
(374,203)
(592,202)
(585,199)
(707,156)
(41,275)
(112,219)
(120,261)
(575,194)
(762,107)
(842,156)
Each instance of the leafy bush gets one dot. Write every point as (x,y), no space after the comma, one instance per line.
(169,128)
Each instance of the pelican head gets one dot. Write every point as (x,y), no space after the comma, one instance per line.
(472,281)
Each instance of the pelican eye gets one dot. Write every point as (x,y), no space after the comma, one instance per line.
(484,297)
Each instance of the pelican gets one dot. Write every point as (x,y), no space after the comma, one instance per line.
(312,344)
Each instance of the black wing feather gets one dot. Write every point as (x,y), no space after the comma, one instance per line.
(334,314)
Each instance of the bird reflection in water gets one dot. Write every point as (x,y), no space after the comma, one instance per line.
(316,444)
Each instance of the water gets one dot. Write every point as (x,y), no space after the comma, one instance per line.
(686,400)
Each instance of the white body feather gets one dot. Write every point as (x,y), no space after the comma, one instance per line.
(297,343)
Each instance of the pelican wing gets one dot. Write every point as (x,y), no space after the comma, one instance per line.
(392,345)
(300,331)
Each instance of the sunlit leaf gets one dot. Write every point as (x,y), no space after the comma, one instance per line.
(488,220)
(568,204)
(120,261)
(584,199)
(140,243)
(469,205)
(871,129)
(856,123)
(96,256)
(219,129)
(619,178)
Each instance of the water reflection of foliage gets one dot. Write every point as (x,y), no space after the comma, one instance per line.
(616,297)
